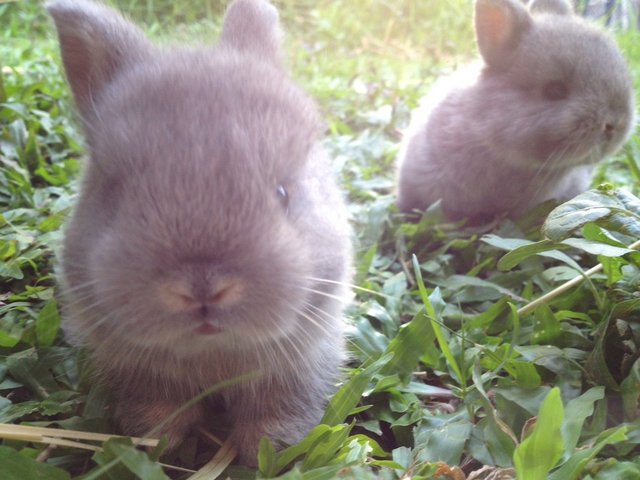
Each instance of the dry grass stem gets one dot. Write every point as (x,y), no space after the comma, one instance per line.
(57,436)
(566,286)
(214,468)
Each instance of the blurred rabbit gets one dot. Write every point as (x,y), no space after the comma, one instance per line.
(553,97)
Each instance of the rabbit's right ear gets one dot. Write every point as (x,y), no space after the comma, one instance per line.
(252,26)
(96,43)
(499,26)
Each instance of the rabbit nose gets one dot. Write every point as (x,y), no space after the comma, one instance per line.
(179,296)
(225,292)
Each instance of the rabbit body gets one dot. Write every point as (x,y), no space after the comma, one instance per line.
(210,239)
(551,99)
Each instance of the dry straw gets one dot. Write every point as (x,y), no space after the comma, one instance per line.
(76,439)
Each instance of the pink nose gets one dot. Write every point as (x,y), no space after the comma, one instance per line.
(179,296)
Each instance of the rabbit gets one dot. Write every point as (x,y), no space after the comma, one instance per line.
(552,97)
(210,243)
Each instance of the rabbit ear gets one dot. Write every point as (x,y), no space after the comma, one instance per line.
(252,26)
(558,7)
(499,26)
(96,43)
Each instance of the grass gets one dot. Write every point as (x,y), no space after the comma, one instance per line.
(449,373)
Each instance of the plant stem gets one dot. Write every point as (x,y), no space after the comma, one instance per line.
(529,307)
(633,163)
(3,93)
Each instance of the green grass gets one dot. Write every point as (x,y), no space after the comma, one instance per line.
(445,373)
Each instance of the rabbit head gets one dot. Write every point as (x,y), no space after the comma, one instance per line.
(555,90)
(203,216)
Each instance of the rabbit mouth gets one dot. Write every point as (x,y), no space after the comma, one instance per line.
(208,328)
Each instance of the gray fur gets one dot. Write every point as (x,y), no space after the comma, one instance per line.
(560,7)
(489,140)
(180,198)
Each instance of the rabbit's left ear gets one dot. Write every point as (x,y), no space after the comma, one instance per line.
(252,26)
(96,43)
(558,7)
(499,27)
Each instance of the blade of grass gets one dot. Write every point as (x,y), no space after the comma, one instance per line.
(431,313)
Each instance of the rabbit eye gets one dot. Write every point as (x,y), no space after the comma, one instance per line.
(555,91)
(283,196)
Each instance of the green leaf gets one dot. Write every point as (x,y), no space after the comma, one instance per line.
(436,321)
(403,457)
(523,249)
(324,473)
(627,309)
(363,266)
(576,412)
(59,402)
(15,466)
(498,439)
(121,453)
(596,233)
(3,93)
(630,389)
(486,318)
(521,253)
(7,340)
(10,412)
(505,243)
(326,448)
(619,471)
(616,210)
(524,373)
(596,248)
(409,345)
(528,399)
(612,267)
(573,467)
(367,341)
(481,287)
(322,437)
(289,454)
(27,367)
(538,454)
(348,396)
(11,269)
(443,441)
(48,324)
(596,364)
(267,458)
(546,327)
(374,448)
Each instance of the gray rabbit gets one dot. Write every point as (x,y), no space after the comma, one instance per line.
(210,239)
(553,97)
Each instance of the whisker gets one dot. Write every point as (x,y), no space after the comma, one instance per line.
(352,285)
(320,292)
(315,320)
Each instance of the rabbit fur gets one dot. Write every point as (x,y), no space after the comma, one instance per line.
(209,240)
(552,97)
